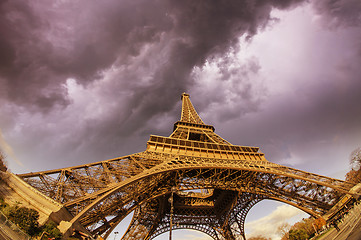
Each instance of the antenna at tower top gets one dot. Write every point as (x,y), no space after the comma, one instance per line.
(184,95)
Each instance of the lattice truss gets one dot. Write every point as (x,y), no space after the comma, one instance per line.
(220,215)
(214,184)
(100,195)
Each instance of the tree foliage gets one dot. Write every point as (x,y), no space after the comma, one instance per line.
(51,230)
(25,218)
(319,223)
(283,230)
(355,159)
(302,230)
(3,166)
(307,225)
(354,175)
(298,234)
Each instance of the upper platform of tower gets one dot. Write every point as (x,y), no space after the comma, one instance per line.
(191,136)
(192,127)
(189,116)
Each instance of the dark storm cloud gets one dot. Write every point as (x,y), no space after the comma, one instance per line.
(43,43)
(200,30)
(139,56)
(232,89)
(319,117)
(339,13)
(309,124)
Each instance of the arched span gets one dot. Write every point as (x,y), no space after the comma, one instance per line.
(268,180)
(100,194)
(208,220)
(140,230)
(311,196)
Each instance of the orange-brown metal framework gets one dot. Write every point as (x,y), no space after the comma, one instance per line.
(214,184)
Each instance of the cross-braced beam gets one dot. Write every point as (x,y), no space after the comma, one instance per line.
(215,185)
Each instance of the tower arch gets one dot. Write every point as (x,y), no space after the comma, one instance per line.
(99,195)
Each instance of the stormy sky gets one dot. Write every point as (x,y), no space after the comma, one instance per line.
(84,81)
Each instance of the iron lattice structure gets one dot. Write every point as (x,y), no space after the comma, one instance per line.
(211,182)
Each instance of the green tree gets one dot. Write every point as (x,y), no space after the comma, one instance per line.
(303,229)
(25,218)
(298,234)
(50,230)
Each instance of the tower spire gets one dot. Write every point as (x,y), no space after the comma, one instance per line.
(189,114)
(191,125)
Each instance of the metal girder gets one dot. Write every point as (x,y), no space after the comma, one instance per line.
(315,195)
(152,218)
(215,183)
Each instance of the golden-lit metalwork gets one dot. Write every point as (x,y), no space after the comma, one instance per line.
(213,182)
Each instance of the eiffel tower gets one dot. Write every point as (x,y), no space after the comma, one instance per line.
(193,179)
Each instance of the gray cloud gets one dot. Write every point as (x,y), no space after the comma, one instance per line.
(47,42)
(44,43)
(339,13)
(84,81)
(131,60)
